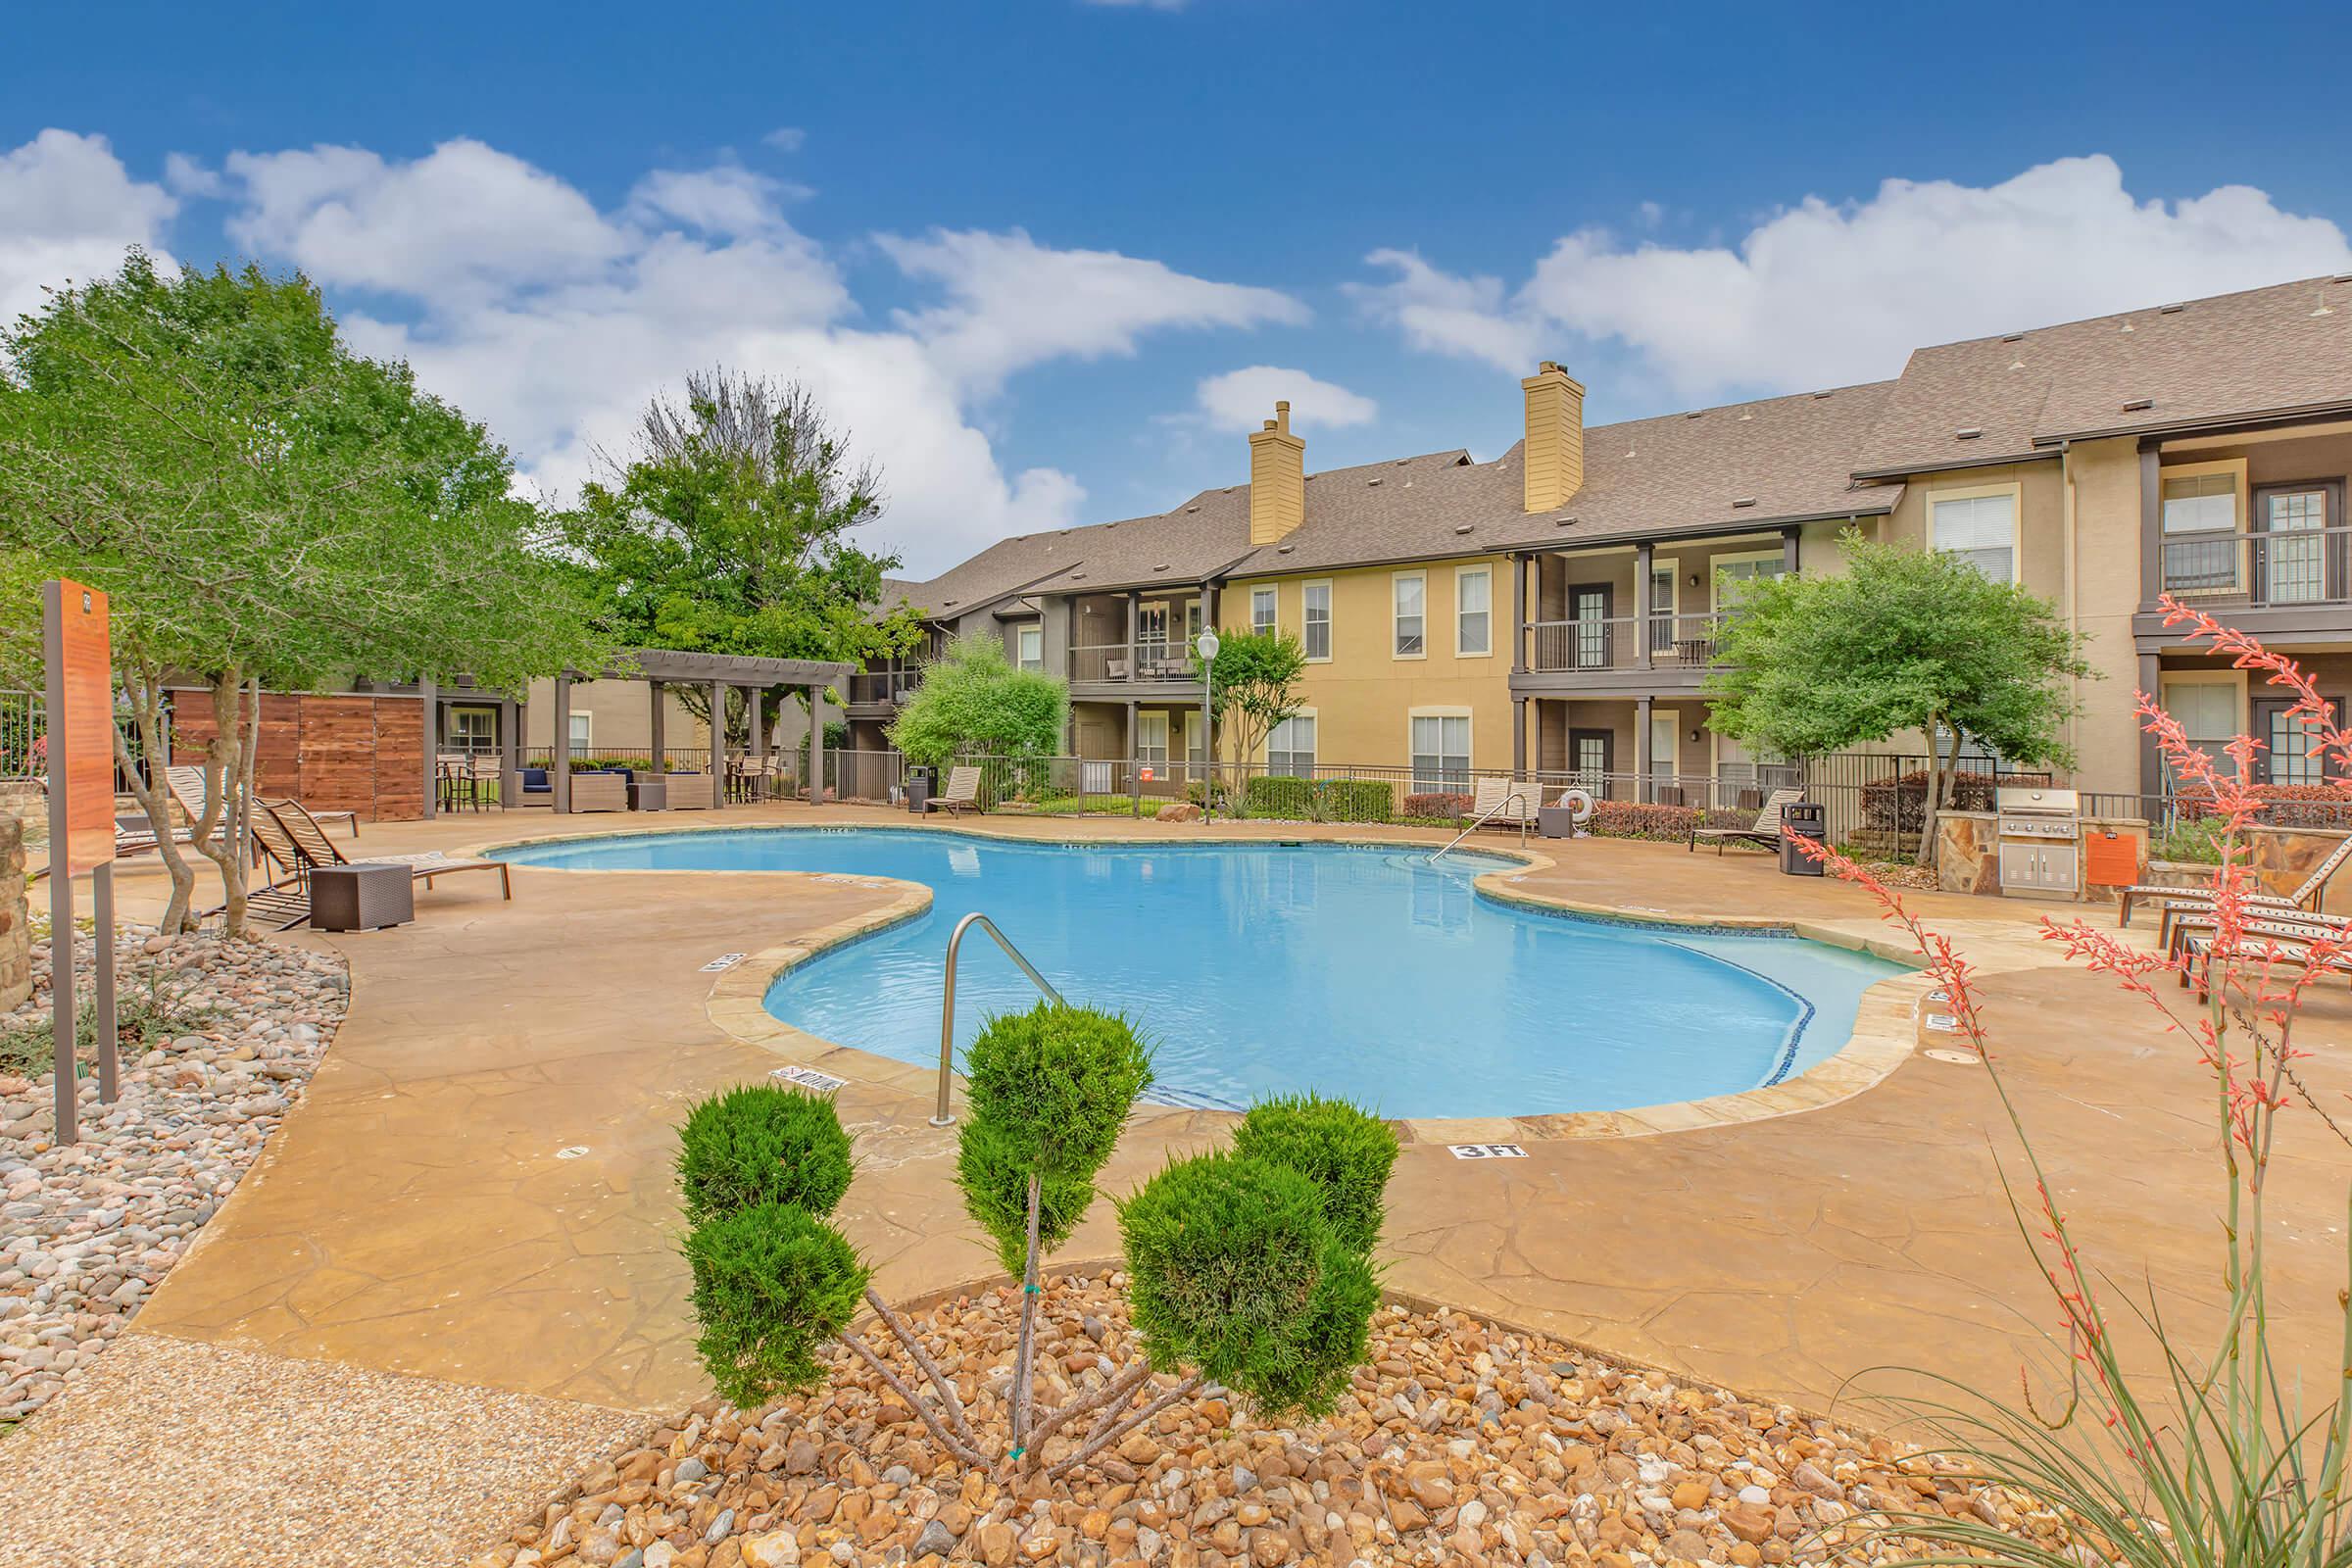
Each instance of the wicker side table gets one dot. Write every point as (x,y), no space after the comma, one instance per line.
(362,897)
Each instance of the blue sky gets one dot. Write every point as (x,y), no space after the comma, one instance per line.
(1029,251)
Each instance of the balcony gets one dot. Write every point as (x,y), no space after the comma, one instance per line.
(2280,568)
(881,689)
(1625,654)
(1143,664)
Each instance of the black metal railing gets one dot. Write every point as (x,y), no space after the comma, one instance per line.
(1618,641)
(2279,567)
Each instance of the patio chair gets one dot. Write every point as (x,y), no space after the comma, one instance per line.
(2178,925)
(600,792)
(1505,803)
(299,834)
(185,782)
(962,793)
(2306,897)
(2292,942)
(1764,832)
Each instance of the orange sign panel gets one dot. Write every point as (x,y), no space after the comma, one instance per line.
(2114,858)
(81,721)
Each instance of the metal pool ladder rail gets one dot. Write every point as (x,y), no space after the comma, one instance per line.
(1486,816)
(943,1117)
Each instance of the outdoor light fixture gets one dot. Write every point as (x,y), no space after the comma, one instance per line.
(1207,647)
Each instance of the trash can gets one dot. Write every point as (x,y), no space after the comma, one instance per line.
(918,790)
(1808,819)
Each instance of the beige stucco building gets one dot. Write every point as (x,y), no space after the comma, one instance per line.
(1554,611)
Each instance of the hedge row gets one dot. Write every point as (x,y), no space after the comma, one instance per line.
(2321,805)
(1320,799)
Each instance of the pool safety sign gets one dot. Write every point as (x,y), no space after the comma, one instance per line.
(725,960)
(810,1078)
(1487,1151)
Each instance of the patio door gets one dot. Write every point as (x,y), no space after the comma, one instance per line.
(1589,625)
(1152,633)
(1662,730)
(1151,743)
(2285,756)
(2298,560)
(1590,751)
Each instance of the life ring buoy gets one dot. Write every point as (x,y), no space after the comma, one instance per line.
(1579,802)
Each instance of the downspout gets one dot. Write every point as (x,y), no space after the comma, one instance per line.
(2074,624)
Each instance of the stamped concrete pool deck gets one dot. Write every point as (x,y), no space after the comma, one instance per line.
(473,1212)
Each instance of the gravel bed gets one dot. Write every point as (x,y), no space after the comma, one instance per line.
(88,1230)
(1458,1444)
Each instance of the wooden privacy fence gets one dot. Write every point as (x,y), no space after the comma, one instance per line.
(362,754)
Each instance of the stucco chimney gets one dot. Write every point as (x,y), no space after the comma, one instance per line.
(1556,437)
(1277,480)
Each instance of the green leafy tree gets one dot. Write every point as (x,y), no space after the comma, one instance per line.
(974,703)
(1902,640)
(1256,686)
(263,508)
(728,529)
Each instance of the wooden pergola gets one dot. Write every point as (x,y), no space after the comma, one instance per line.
(661,668)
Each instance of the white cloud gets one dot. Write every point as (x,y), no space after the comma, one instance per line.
(553,321)
(1446,313)
(67,211)
(188,178)
(1826,293)
(1013,303)
(1245,399)
(786,138)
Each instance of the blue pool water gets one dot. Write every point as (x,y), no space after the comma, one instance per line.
(1256,970)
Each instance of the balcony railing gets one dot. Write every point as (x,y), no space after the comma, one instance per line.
(1619,642)
(2263,570)
(883,685)
(1143,661)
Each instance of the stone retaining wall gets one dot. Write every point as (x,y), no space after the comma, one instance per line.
(16,930)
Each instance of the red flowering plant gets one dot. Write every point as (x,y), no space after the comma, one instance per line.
(2211,1459)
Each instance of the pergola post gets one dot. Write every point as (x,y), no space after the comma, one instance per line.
(433,748)
(558,773)
(718,745)
(756,765)
(509,753)
(817,741)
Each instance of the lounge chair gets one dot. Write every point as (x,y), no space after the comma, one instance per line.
(293,834)
(962,793)
(1765,832)
(2305,897)
(1505,803)
(2290,941)
(2180,923)
(185,782)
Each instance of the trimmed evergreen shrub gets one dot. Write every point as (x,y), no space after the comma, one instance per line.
(773,1283)
(1358,800)
(1236,1273)
(1652,820)
(1289,800)
(1049,1091)
(762,1144)
(1347,1154)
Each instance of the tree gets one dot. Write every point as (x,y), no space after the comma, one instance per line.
(974,702)
(728,530)
(1255,684)
(263,508)
(1902,640)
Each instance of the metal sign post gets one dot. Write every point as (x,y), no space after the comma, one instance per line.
(80,729)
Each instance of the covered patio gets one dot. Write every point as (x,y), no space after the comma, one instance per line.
(717,675)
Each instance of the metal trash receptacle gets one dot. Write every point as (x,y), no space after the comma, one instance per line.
(918,790)
(1808,819)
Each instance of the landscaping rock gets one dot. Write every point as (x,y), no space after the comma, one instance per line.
(1457,1442)
(88,1230)
(1179,812)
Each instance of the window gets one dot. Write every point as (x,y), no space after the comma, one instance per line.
(473,729)
(1317,596)
(1261,610)
(1979,528)
(1662,609)
(1410,599)
(1473,611)
(1291,747)
(1734,574)
(1152,742)
(1029,647)
(582,727)
(2207,711)
(2202,503)
(1441,753)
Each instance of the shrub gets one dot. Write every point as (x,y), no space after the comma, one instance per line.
(1049,1091)
(1345,1151)
(762,1144)
(153,1008)
(1898,803)
(1237,1274)
(1324,800)
(1358,800)
(1290,800)
(772,1282)
(1440,804)
(1638,819)
(2321,805)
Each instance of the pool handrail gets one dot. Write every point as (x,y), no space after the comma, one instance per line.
(1488,815)
(947,1003)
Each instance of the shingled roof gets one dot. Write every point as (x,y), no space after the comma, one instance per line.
(2282,350)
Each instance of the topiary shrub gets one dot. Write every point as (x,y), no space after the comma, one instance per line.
(1236,1272)
(1356,800)
(772,1282)
(1288,800)
(1346,1153)
(762,1144)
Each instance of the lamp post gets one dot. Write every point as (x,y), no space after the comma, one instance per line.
(1207,648)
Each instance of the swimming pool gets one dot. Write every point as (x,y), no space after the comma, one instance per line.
(1262,969)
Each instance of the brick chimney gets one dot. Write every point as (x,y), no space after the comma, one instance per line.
(1277,480)
(1556,437)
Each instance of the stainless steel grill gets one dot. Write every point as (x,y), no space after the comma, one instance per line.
(2041,842)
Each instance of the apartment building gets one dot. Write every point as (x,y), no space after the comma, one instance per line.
(1555,608)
